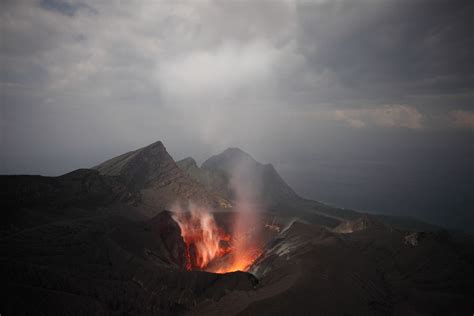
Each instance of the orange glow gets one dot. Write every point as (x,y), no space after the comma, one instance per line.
(210,248)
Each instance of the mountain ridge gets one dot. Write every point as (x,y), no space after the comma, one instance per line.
(152,171)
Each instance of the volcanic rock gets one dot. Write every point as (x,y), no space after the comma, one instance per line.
(167,230)
(157,239)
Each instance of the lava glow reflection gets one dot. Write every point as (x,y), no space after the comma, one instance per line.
(210,248)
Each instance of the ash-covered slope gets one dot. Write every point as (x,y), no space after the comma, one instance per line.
(376,270)
(153,173)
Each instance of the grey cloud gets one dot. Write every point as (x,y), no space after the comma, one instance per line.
(462,119)
(69,8)
(385,116)
(391,48)
(202,60)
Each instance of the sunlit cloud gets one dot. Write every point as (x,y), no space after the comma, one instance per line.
(393,116)
(462,119)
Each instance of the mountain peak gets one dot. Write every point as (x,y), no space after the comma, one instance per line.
(271,187)
(236,152)
(187,163)
(229,159)
(157,144)
(160,181)
(140,166)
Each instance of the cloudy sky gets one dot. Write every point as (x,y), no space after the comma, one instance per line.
(342,96)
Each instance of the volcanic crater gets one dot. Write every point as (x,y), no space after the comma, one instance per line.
(97,241)
(214,242)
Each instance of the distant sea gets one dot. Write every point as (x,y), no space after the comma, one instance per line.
(433,185)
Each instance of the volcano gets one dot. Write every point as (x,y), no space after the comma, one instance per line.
(210,247)
(140,234)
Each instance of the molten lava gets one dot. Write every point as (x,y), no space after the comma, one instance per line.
(210,248)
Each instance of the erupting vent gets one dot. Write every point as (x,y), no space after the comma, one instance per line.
(213,249)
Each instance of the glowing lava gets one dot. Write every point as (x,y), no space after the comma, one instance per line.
(210,248)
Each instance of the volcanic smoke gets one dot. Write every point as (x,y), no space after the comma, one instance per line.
(211,248)
(214,249)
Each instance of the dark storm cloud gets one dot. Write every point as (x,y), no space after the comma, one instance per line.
(59,6)
(221,73)
(391,48)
